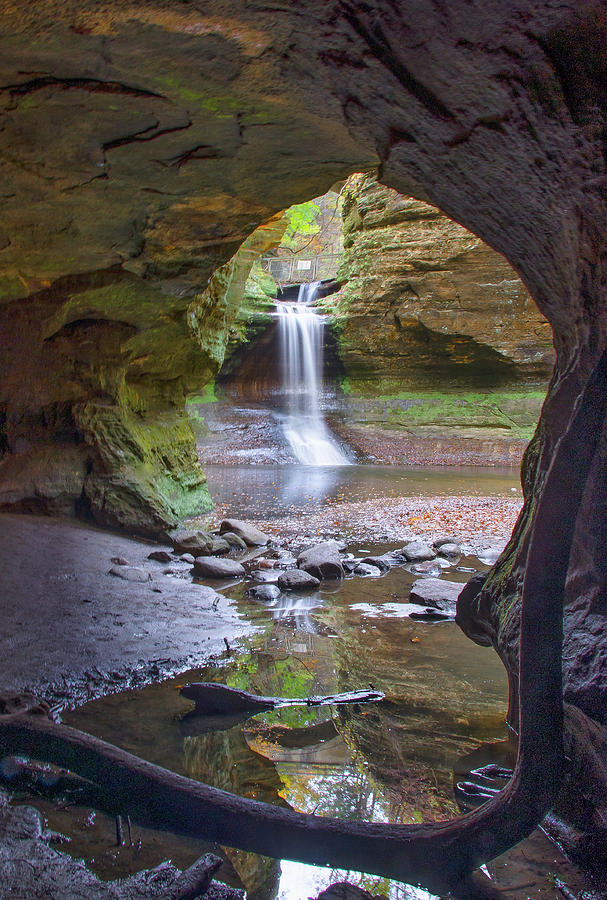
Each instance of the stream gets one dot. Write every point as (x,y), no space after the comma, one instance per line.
(399,760)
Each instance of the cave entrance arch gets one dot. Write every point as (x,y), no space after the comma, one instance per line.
(493,114)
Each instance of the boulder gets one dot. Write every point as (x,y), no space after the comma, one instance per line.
(322,561)
(468,617)
(235,542)
(436,592)
(220,545)
(417,551)
(197,543)
(380,562)
(297,580)
(263,592)
(187,558)
(251,535)
(160,556)
(211,567)
(489,555)
(450,550)
(367,570)
(442,539)
(130,573)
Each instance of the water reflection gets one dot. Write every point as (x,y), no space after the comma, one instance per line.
(390,761)
(281,490)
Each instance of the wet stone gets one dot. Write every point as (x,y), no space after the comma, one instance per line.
(130,573)
(160,556)
(211,567)
(187,558)
(197,543)
(367,570)
(322,560)
(449,550)
(220,545)
(251,535)
(417,551)
(297,580)
(429,567)
(435,592)
(235,542)
(380,562)
(263,592)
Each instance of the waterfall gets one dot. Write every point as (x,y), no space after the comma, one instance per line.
(301,337)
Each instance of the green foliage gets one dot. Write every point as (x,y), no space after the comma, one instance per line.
(302,224)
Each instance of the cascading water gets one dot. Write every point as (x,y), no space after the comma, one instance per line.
(301,336)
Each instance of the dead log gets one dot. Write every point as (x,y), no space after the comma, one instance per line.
(195,881)
(213,699)
(439,856)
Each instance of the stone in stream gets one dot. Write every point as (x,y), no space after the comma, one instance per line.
(380,562)
(265,576)
(436,592)
(251,535)
(417,551)
(160,556)
(235,542)
(367,570)
(297,580)
(187,558)
(220,545)
(131,573)
(429,567)
(212,567)
(442,539)
(430,614)
(322,561)
(263,592)
(489,555)
(449,550)
(195,542)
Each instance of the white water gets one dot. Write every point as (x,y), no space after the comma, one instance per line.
(301,336)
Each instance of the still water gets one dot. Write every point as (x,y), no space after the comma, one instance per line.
(272,491)
(394,761)
(397,761)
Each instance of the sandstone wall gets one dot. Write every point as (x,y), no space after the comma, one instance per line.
(426,305)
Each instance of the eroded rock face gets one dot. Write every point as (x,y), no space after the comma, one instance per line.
(141,144)
(426,304)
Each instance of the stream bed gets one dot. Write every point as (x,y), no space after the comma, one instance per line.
(399,760)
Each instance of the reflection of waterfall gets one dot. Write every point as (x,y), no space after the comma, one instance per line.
(301,336)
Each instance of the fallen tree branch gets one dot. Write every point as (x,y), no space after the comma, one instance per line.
(439,856)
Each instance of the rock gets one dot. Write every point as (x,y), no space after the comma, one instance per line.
(187,558)
(429,567)
(380,562)
(417,551)
(265,576)
(297,580)
(160,556)
(443,539)
(449,549)
(367,570)
(489,555)
(263,592)
(467,616)
(251,535)
(219,545)
(130,573)
(211,567)
(198,543)
(435,592)
(235,542)
(322,561)
(432,614)
(120,561)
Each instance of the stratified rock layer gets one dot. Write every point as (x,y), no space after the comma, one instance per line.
(425,304)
